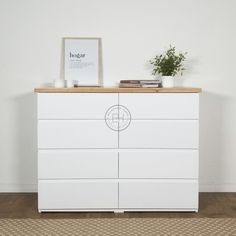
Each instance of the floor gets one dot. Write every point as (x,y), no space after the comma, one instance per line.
(24,205)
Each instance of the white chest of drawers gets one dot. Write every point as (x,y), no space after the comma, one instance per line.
(118,151)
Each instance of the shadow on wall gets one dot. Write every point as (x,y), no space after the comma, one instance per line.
(27,141)
(211,117)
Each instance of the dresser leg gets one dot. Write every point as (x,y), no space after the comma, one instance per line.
(119,211)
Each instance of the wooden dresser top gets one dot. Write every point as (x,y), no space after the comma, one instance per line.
(117,90)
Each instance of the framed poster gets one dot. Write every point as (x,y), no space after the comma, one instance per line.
(82,61)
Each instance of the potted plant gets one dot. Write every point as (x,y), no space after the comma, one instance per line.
(168,65)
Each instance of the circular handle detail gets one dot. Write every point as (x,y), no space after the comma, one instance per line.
(118,117)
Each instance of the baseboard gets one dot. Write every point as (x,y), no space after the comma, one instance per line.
(217,187)
(34,188)
(16,188)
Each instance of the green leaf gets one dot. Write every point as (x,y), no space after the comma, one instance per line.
(170,63)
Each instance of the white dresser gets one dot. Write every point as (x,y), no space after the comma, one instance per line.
(118,150)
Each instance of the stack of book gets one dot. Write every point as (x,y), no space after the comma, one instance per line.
(140,84)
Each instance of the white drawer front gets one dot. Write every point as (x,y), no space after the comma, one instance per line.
(160,134)
(161,194)
(75,105)
(164,164)
(161,105)
(76,134)
(77,194)
(71,164)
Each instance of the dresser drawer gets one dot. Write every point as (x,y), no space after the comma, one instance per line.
(165,164)
(76,134)
(160,134)
(159,194)
(77,194)
(75,105)
(72,164)
(161,105)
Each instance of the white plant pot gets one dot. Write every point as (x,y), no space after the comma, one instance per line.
(168,81)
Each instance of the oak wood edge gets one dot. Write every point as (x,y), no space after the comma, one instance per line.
(118,90)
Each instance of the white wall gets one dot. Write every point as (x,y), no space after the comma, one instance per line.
(132,32)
